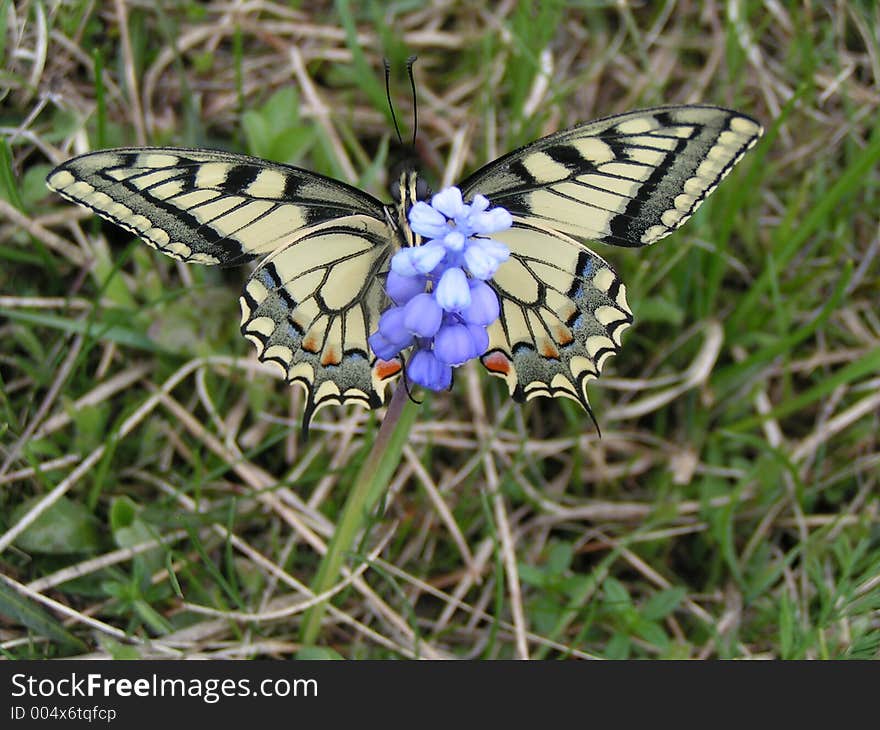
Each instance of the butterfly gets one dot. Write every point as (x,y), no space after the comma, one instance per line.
(316,295)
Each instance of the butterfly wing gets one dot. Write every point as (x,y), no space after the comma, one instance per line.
(205,206)
(628,180)
(311,304)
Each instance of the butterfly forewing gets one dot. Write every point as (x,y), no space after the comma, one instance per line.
(206,206)
(312,303)
(627,180)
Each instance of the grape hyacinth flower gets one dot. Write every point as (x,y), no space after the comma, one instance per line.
(442,304)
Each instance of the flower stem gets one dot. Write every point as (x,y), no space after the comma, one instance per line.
(369,485)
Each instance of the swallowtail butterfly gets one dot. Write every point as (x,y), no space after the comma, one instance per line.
(316,295)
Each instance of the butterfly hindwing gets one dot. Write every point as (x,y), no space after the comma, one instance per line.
(627,180)
(563,311)
(205,206)
(311,305)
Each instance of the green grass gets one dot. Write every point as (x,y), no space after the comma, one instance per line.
(169,507)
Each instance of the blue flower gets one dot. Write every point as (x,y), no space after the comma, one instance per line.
(442,303)
(455,344)
(483,308)
(426,370)
(452,291)
(403,288)
(422,315)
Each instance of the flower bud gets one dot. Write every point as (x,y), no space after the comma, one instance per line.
(448,202)
(403,288)
(426,221)
(480,337)
(426,257)
(484,307)
(422,315)
(384,349)
(426,370)
(479,263)
(392,327)
(452,292)
(454,344)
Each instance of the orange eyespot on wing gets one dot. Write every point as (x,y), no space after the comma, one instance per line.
(497,362)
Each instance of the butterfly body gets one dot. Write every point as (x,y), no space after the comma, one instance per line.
(318,291)
(407,189)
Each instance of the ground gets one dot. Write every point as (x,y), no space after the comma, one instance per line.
(157,496)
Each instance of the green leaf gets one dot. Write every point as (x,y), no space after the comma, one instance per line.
(66,527)
(8,184)
(531,576)
(618,647)
(120,651)
(660,310)
(130,530)
(661,604)
(559,558)
(616,596)
(99,330)
(653,633)
(787,625)
(545,612)
(33,185)
(151,617)
(274,131)
(91,425)
(319,652)
(122,513)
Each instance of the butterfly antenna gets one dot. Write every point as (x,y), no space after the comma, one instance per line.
(412,82)
(388,96)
